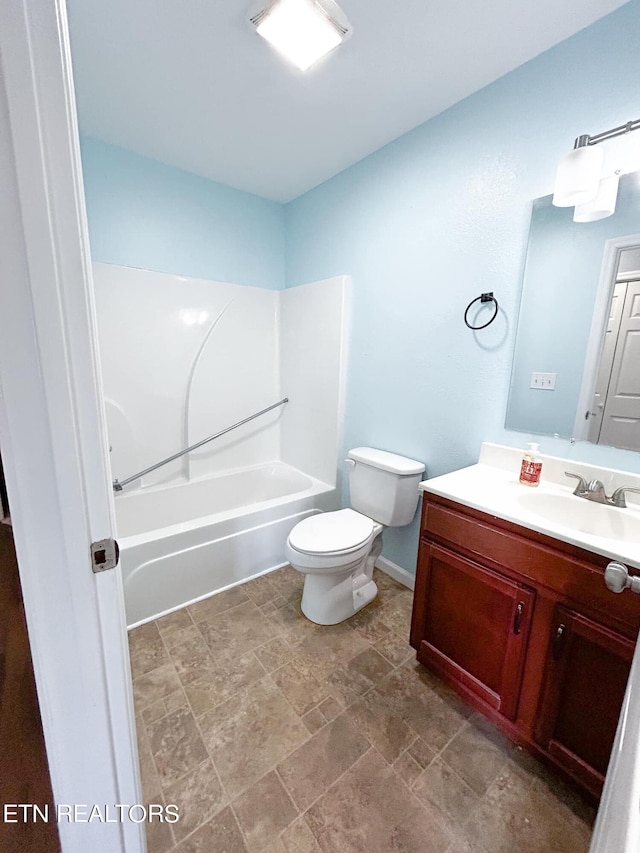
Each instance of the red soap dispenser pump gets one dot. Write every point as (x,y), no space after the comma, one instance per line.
(531,465)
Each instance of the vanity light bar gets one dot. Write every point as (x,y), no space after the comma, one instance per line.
(580,181)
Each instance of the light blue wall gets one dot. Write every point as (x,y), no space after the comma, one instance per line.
(144,214)
(437,217)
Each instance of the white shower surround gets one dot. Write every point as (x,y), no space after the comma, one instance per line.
(183,358)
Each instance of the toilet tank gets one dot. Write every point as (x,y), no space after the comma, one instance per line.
(384,486)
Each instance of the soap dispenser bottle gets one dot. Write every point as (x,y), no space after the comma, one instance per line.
(531,465)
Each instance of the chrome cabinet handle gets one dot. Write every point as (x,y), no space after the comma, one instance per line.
(558,641)
(517,619)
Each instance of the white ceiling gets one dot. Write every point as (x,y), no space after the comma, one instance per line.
(190,83)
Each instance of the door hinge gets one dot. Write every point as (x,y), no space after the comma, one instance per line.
(104,555)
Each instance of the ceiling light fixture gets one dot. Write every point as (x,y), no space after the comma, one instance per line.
(581,179)
(302,30)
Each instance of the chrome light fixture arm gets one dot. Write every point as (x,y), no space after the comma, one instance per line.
(621,130)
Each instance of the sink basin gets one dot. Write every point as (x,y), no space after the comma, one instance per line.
(583,515)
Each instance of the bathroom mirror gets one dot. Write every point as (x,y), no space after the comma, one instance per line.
(567,301)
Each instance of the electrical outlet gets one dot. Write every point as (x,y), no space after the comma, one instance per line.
(543,381)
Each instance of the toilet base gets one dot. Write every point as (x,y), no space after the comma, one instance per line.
(326,602)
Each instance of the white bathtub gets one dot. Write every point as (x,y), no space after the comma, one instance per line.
(183,542)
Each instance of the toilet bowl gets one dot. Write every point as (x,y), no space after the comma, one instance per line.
(336,551)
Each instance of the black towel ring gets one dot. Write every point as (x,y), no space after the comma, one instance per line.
(484,297)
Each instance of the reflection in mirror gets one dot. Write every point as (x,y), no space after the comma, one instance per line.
(572,271)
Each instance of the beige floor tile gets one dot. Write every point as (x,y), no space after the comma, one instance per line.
(164,706)
(181,635)
(224,680)
(192,659)
(209,607)
(293,625)
(219,835)
(475,757)
(298,838)
(148,774)
(260,590)
(264,811)
(288,583)
(176,745)
(198,796)
(512,816)
(250,733)
(330,708)
(300,688)
(367,811)
(395,649)
(173,622)
(146,649)
(369,625)
(421,752)
(329,647)
(155,685)
(314,720)
(385,730)
(397,614)
(440,786)
(159,836)
(276,846)
(407,769)
(274,654)
(408,694)
(308,772)
(238,630)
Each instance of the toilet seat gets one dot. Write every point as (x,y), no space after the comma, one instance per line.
(332,533)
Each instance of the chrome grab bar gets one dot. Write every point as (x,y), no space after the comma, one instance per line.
(118,485)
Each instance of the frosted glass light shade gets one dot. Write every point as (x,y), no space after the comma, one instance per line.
(300,31)
(603,205)
(578,176)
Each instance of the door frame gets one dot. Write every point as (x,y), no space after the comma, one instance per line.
(610,260)
(53,433)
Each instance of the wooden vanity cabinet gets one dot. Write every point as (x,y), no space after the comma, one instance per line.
(524,628)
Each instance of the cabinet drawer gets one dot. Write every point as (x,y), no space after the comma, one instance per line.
(535,559)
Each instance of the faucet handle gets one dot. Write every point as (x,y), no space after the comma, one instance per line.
(581,489)
(617,498)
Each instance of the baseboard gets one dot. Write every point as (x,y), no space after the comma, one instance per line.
(396,572)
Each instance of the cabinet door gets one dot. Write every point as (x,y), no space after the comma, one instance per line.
(586,677)
(475,627)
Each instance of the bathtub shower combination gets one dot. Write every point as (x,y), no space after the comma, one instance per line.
(181,543)
(193,358)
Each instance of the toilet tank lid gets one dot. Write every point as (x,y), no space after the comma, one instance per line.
(386,461)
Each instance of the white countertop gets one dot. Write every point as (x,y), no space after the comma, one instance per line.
(493,486)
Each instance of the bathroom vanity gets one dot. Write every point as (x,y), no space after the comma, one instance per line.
(512,610)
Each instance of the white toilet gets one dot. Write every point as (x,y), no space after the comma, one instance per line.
(336,551)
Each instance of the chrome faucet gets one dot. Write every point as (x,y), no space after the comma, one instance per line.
(594,491)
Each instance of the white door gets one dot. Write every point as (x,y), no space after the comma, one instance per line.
(606,361)
(53,433)
(621,414)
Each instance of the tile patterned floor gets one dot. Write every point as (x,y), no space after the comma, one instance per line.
(275,735)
